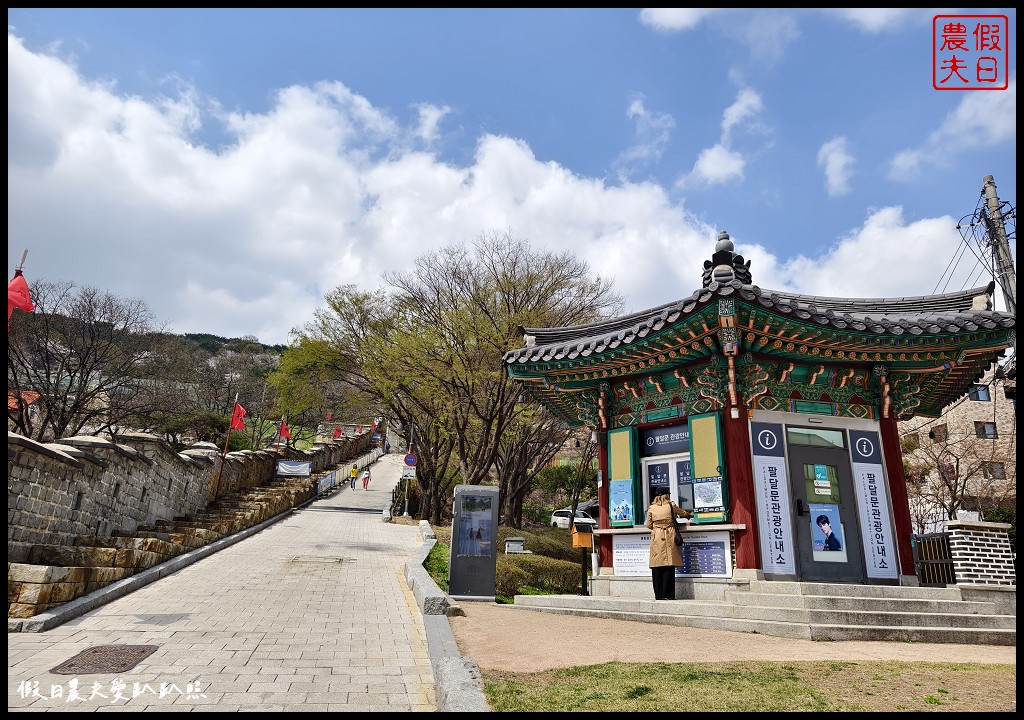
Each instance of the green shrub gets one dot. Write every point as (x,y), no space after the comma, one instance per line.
(544,573)
(509,577)
(551,567)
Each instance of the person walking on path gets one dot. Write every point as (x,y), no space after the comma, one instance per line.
(664,555)
(366,479)
(352,475)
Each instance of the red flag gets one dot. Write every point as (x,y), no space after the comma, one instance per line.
(337,431)
(18,296)
(237,421)
(285,432)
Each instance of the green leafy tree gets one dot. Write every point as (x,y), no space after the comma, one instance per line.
(454,316)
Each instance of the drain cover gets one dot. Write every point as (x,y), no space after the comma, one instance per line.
(318,559)
(105,659)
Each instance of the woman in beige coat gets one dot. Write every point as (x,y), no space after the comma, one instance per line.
(664,557)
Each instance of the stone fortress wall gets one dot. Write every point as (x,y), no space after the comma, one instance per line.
(89,486)
(84,512)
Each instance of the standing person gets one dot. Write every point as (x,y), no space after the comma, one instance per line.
(664,555)
(352,475)
(366,478)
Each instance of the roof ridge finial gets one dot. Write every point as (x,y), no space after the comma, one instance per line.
(725,265)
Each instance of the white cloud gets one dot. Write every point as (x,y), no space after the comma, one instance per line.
(720,163)
(766,33)
(675,19)
(873,260)
(652,134)
(716,165)
(981,118)
(430,117)
(837,162)
(746,105)
(322,190)
(875,20)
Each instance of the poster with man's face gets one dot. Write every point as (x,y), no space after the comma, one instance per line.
(826,530)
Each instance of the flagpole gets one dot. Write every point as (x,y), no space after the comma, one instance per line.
(227,439)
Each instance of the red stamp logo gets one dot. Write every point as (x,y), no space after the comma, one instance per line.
(970,52)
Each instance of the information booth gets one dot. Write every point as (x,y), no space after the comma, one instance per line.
(771,416)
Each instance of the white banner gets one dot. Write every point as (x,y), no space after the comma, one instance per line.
(873,505)
(294,468)
(325,483)
(771,484)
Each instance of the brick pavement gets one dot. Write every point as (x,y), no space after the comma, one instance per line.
(310,613)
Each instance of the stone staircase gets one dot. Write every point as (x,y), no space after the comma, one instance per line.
(56,574)
(813,611)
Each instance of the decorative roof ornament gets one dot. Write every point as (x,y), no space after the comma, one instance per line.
(725,265)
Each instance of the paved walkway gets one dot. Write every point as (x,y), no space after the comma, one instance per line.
(310,613)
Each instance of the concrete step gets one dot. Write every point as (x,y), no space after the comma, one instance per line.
(834,602)
(848,590)
(791,622)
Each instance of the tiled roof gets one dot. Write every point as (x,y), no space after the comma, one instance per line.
(967,310)
(27,397)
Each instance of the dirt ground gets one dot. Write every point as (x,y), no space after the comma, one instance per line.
(503,639)
(511,639)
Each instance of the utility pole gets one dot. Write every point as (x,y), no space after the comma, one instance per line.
(993,217)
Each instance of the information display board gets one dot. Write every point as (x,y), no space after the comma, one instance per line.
(706,554)
(473,559)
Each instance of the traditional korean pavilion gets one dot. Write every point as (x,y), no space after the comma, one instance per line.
(770,415)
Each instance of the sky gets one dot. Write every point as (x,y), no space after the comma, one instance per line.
(232,167)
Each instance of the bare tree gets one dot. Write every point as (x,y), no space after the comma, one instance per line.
(955,470)
(84,351)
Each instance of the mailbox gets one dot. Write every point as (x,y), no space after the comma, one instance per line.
(582,535)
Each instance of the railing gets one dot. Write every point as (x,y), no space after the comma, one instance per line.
(933,559)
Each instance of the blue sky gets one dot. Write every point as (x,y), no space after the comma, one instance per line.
(231,167)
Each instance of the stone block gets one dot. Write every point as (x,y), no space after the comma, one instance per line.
(66,591)
(106,575)
(69,556)
(35,593)
(136,559)
(21,610)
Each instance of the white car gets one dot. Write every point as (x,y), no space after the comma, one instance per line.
(560,518)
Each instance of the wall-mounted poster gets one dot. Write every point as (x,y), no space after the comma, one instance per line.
(620,503)
(476,535)
(657,478)
(707,495)
(631,554)
(826,530)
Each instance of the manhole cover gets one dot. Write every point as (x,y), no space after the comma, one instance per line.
(317,559)
(105,659)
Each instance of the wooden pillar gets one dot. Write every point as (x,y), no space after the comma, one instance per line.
(893,454)
(739,467)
